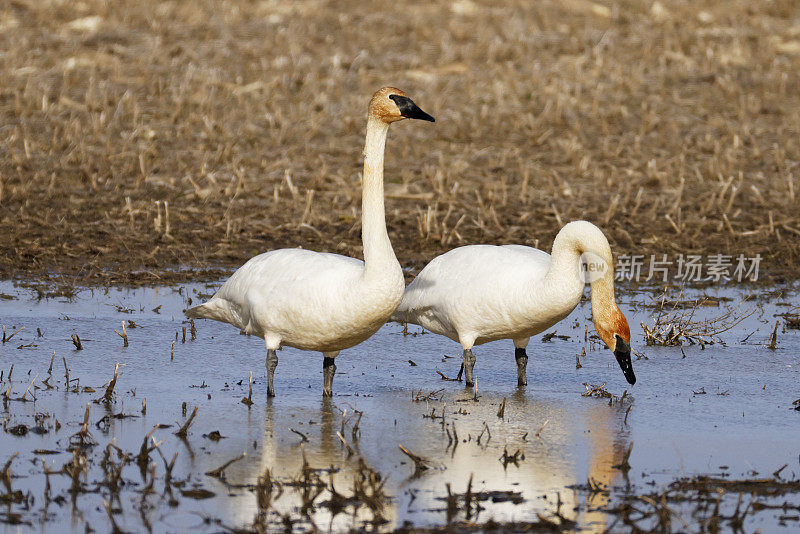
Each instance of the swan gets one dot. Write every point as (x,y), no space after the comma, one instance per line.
(320,301)
(481,293)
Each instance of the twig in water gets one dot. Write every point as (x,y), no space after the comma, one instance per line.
(346,445)
(773,340)
(626,414)
(248,401)
(82,438)
(777,473)
(624,465)
(12,335)
(502,411)
(5,475)
(511,458)
(354,432)
(303,437)
(143,458)
(29,388)
(46,381)
(485,429)
(468,497)
(420,463)
(538,432)
(77,342)
(182,431)
(107,396)
(595,391)
(445,377)
(219,472)
(123,335)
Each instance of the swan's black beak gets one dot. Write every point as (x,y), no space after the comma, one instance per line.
(623,354)
(409,109)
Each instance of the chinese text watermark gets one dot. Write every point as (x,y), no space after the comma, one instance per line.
(686,268)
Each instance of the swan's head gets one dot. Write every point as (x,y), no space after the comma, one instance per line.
(613,329)
(596,266)
(391,104)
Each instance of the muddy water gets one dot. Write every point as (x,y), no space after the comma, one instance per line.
(712,410)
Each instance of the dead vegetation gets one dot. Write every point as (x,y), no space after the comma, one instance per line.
(792,321)
(139,139)
(678,322)
(707,504)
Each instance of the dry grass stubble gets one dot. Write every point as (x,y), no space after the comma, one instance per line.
(139,137)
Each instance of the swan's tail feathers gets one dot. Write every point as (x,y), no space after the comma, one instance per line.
(198,312)
(220,309)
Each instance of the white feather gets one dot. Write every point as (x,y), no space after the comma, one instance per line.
(305,299)
(319,301)
(481,293)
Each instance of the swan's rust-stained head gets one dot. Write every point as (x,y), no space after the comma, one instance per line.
(390,104)
(613,329)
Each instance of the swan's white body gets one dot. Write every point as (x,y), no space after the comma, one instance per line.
(320,301)
(308,300)
(481,293)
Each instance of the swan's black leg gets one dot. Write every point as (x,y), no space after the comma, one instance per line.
(469,364)
(272,363)
(328,370)
(522,366)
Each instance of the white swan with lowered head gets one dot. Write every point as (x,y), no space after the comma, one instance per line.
(320,301)
(481,293)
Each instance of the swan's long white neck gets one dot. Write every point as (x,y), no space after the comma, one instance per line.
(378,253)
(575,239)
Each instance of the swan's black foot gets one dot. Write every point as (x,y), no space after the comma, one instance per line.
(522,366)
(272,363)
(328,370)
(469,364)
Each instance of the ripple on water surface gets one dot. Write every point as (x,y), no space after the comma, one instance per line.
(694,410)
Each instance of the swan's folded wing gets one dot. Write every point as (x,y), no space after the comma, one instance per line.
(276,278)
(468,276)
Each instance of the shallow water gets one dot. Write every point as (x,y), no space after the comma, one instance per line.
(718,409)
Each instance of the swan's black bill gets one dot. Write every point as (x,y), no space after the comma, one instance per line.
(623,355)
(409,109)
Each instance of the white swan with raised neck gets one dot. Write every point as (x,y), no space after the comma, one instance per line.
(316,300)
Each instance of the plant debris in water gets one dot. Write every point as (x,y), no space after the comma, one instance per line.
(677,324)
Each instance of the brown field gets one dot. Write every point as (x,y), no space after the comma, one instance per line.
(673,125)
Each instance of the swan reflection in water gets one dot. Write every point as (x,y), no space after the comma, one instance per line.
(581,441)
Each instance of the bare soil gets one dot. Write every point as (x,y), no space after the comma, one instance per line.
(672,125)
